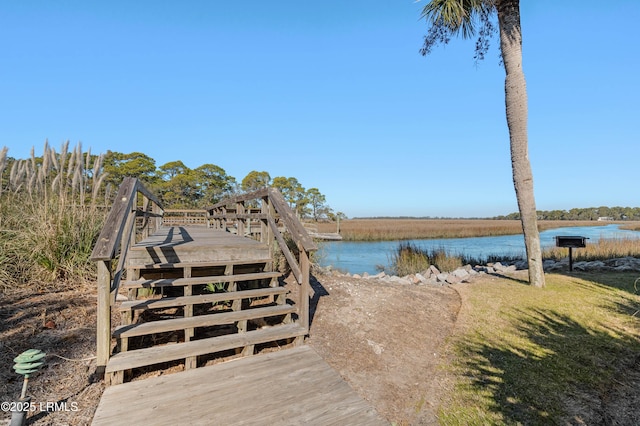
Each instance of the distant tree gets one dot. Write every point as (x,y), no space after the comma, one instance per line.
(447,18)
(294,193)
(255,180)
(213,184)
(281,184)
(318,203)
(117,166)
(181,191)
(172,169)
(289,187)
(177,185)
(341,215)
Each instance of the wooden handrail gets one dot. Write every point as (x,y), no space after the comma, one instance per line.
(117,235)
(274,212)
(291,222)
(111,234)
(273,218)
(271,196)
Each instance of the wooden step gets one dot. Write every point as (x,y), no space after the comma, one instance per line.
(171,302)
(176,282)
(181,265)
(158,354)
(200,321)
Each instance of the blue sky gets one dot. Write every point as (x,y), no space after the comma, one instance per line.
(333,93)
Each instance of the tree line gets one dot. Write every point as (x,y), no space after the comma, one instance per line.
(588,213)
(180,187)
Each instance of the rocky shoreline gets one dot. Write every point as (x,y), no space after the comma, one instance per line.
(432,276)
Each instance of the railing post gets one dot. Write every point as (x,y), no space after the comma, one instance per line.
(265,230)
(305,285)
(240,222)
(157,210)
(225,223)
(103,326)
(146,219)
(130,222)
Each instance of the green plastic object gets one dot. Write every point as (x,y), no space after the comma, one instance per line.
(28,362)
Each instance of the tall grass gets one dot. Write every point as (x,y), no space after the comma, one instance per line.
(605,248)
(410,259)
(51,212)
(409,229)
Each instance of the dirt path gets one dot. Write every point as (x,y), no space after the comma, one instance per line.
(387,341)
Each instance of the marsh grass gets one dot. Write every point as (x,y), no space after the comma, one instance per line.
(555,356)
(410,259)
(605,248)
(50,216)
(409,229)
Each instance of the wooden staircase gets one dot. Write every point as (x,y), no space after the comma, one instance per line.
(196,295)
(198,309)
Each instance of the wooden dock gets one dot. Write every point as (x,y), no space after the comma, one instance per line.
(288,387)
(206,298)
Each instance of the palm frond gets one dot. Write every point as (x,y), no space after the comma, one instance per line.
(447,18)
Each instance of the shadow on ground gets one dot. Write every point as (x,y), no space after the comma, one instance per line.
(560,373)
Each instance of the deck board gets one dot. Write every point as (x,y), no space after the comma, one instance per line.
(194,244)
(288,387)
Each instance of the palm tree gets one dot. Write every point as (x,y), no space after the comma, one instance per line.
(474,17)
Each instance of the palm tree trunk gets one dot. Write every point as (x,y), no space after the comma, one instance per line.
(516,108)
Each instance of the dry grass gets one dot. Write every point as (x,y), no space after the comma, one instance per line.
(605,248)
(49,216)
(408,229)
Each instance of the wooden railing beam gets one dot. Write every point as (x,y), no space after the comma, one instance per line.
(103,325)
(293,264)
(117,235)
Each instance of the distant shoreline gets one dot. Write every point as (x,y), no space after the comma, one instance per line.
(389,229)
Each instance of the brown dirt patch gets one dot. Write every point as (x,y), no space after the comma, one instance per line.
(62,324)
(387,340)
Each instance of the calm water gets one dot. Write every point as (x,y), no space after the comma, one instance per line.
(359,257)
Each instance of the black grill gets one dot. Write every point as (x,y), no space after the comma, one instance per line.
(571,241)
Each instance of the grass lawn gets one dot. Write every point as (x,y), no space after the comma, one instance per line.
(566,354)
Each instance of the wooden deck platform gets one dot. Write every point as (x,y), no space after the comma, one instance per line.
(199,293)
(194,244)
(289,387)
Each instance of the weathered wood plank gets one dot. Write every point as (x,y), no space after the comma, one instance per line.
(301,236)
(179,265)
(166,353)
(177,282)
(168,302)
(114,224)
(285,250)
(103,314)
(200,321)
(289,387)
(195,244)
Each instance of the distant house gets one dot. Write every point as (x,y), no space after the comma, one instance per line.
(604,218)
